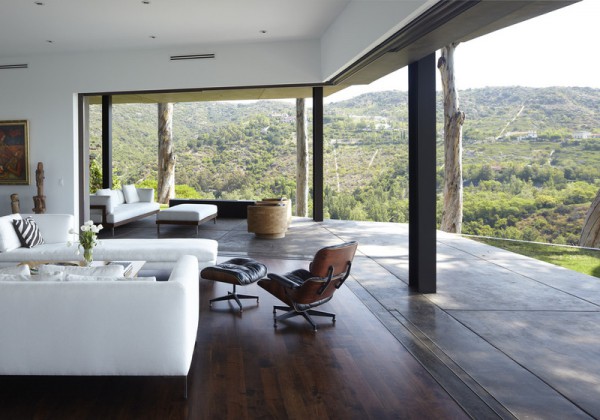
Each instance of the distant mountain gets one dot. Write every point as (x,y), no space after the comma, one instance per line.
(527,173)
(489,110)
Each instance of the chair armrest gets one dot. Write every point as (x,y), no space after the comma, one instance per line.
(284,281)
(146,194)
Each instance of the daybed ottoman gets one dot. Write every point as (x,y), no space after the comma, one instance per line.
(186,214)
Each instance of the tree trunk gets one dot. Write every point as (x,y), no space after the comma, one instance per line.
(166,156)
(453,120)
(301,159)
(590,234)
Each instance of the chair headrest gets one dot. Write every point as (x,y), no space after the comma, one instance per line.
(336,256)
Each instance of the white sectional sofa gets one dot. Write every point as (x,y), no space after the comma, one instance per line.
(100,327)
(114,208)
(54,228)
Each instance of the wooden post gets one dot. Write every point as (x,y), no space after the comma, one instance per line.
(166,155)
(301,159)
(452,213)
(590,233)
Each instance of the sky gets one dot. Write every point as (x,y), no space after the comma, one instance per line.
(556,49)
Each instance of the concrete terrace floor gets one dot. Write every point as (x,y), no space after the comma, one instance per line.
(505,334)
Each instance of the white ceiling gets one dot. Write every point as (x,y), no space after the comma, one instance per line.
(95,25)
(366,37)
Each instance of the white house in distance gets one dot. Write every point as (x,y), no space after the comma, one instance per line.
(582,135)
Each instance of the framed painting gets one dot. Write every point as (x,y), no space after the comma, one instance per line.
(14,152)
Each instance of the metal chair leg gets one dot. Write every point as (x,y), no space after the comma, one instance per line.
(233,295)
(291,312)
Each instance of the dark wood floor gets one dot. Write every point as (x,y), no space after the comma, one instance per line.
(243,368)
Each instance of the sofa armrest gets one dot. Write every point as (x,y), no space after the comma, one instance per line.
(121,327)
(186,274)
(102,201)
(146,194)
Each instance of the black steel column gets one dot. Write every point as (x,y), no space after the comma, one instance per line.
(106,141)
(83,161)
(421,168)
(318,154)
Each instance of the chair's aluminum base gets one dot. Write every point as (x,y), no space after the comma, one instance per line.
(291,312)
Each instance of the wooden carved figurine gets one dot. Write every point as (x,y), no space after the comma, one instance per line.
(14,203)
(39,201)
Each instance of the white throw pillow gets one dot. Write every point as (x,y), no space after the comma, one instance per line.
(17,269)
(9,239)
(120,197)
(15,277)
(131,194)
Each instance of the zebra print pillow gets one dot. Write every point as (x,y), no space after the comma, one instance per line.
(28,232)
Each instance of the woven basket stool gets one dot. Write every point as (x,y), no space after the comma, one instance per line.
(269,220)
(238,272)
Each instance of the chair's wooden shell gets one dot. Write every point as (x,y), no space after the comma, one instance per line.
(328,270)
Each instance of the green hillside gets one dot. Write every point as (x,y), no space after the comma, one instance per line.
(526,176)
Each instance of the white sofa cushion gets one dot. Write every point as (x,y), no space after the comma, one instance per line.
(76,277)
(15,277)
(127,211)
(79,277)
(55,227)
(137,278)
(158,253)
(48,277)
(156,250)
(44,252)
(187,212)
(111,270)
(131,194)
(21,269)
(9,239)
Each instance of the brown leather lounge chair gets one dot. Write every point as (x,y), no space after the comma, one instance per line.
(302,290)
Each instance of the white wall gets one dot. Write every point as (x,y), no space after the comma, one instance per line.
(45,94)
(362,26)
